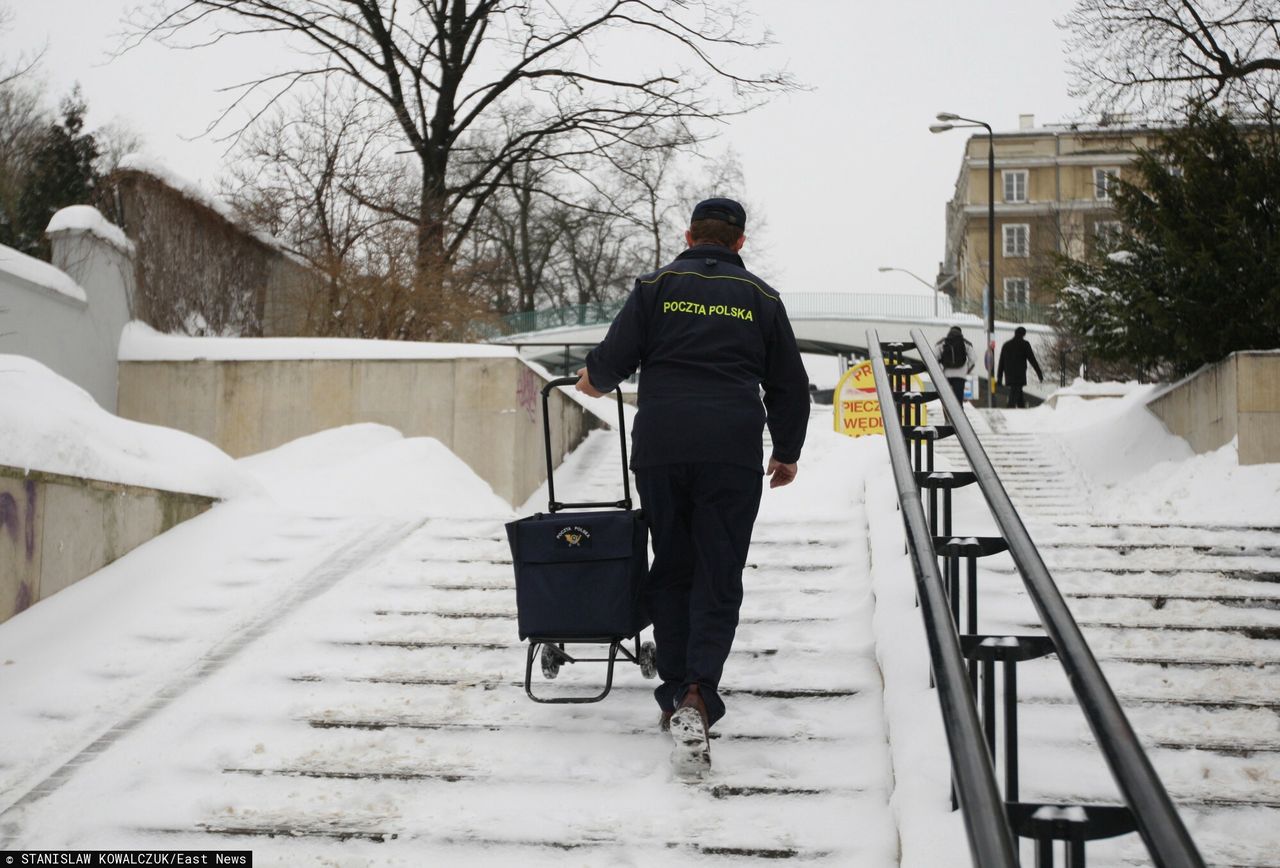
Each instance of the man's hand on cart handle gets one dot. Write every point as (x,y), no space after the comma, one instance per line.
(781,474)
(584,385)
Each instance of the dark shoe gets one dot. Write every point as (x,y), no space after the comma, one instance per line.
(691,757)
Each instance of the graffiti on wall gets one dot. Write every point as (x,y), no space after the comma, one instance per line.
(527,393)
(18,521)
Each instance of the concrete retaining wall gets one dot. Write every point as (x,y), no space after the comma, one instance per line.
(1238,397)
(55,530)
(487,410)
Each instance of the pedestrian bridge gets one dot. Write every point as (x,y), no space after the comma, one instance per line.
(832,323)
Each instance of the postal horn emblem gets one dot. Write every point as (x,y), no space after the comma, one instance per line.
(574,537)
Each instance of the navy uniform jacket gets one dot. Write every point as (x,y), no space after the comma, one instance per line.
(707,334)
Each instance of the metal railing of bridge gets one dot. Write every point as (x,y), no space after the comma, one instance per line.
(990,821)
(800,305)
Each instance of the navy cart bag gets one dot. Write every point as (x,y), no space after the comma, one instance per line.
(579,575)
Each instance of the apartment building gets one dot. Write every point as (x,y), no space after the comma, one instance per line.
(1053,193)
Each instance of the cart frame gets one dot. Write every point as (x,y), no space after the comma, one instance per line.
(554,654)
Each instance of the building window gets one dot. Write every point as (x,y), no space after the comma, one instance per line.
(1104,182)
(1015,185)
(1017,240)
(1107,231)
(1017,291)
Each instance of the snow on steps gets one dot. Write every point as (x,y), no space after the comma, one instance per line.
(1185,620)
(384,721)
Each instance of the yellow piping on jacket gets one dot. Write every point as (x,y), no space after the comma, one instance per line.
(711,277)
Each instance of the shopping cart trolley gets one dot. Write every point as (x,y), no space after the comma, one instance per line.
(579,575)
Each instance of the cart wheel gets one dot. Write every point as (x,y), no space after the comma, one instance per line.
(648,660)
(551,660)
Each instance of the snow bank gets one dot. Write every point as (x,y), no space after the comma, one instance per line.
(931,834)
(86,218)
(40,273)
(1084,389)
(373,470)
(141,343)
(1205,488)
(1135,467)
(50,424)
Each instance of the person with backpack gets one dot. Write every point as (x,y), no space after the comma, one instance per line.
(956,355)
(1014,356)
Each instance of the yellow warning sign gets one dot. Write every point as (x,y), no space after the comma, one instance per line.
(857,412)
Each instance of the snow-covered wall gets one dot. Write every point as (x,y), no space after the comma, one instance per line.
(80,487)
(1237,398)
(69,315)
(247,395)
(63,528)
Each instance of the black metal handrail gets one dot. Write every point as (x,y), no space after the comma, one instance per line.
(990,837)
(1157,819)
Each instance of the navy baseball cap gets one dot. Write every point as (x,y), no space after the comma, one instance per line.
(728,210)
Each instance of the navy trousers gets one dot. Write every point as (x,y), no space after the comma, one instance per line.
(700,518)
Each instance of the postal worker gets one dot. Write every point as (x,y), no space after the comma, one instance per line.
(718,361)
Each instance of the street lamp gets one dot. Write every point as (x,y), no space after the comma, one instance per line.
(936,287)
(989,297)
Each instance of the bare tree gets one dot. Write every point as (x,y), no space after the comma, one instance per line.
(12,71)
(601,254)
(1161,54)
(654,182)
(302,176)
(642,188)
(531,80)
(22,120)
(116,139)
(525,226)
(22,123)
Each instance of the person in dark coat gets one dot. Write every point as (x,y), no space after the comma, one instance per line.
(1014,356)
(707,335)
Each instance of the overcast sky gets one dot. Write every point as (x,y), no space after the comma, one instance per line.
(849,174)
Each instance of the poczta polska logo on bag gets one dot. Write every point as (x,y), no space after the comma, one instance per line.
(574,537)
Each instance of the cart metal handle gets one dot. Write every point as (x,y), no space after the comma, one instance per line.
(555,506)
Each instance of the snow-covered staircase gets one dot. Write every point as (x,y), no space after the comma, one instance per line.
(1034,471)
(1185,620)
(385,721)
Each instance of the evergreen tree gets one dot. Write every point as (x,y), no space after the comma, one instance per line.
(1194,274)
(62,173)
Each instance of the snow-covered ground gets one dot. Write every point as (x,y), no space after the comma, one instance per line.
(324,668)
(331,659)
(48,423)
(1134,467)
(1168,561)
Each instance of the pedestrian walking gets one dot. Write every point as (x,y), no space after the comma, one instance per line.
(956,355)
(707,334)
(1014,356)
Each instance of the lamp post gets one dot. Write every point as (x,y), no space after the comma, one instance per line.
(936,287)
(989,297)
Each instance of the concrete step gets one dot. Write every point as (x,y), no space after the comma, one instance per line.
(1184,619)
(1228,730)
